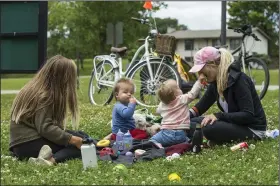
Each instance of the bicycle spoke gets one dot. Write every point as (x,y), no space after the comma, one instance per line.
(145,88)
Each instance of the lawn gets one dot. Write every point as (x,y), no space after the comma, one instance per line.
(218,165)
(88,66)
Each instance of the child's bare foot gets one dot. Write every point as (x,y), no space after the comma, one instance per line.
(159,145)
(108,137)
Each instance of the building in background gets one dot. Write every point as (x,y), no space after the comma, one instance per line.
(190,41)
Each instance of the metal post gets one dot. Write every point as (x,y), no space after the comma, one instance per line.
(279,76)
(224,23)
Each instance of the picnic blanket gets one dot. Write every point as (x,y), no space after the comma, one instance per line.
(152,152)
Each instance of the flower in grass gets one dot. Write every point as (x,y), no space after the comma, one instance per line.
(259,159)
(143,183)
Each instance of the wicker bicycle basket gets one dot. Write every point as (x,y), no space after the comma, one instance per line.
(165,45)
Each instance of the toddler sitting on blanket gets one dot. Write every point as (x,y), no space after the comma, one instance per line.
(175,113)
(122,115)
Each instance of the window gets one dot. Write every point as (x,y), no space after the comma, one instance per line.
(189,59)
(234,43)
(216,42)
(188,44)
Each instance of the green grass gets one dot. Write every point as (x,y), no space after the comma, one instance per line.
(259,75)
(218,165)
(88,65)
(274,77)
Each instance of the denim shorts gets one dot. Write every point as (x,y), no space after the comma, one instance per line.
(168,137)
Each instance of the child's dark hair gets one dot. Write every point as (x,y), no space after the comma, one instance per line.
(122,81)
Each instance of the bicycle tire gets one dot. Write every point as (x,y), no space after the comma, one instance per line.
(260,63)
(109,97)
(150,88)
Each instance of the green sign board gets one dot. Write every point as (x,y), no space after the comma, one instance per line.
(23,30)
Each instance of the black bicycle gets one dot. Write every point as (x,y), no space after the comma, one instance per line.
(254,67)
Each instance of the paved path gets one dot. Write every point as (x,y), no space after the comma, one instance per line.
(271,87)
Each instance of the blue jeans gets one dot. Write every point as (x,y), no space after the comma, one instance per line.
(168,137)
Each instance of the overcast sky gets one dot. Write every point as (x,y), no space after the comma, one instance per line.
(197,15)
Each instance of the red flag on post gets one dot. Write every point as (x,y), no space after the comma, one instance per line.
(148,5)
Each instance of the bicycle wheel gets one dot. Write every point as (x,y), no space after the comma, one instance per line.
(145,90)
(101,87)
(257,70)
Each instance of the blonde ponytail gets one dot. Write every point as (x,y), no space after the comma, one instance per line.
(222,76)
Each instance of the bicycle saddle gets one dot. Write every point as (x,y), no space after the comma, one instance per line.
(118,50)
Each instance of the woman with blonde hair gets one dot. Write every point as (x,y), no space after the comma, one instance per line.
(242,116)
(39,114)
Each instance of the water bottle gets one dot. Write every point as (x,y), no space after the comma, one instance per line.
(88,151)
(119,140)
(127,140)
(197,140)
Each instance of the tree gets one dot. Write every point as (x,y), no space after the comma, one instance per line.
(81,26)
(262,14)
(163,24)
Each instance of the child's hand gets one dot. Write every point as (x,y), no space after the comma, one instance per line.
(132,100)
(202,79)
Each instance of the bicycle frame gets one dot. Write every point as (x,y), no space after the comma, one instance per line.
(116,62)
(242,54)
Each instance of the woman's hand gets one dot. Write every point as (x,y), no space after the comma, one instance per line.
(208,119)
(77,141)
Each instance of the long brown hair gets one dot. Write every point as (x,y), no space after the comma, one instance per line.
(53,87)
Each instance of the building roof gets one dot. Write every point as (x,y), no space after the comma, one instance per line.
(192,34)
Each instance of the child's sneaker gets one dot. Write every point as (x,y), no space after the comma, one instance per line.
(45,152)
(40,161)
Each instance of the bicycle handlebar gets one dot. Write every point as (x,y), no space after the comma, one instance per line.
(255,37)
(142,21)
(244,32)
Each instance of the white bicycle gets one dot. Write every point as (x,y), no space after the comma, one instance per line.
(147,73)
